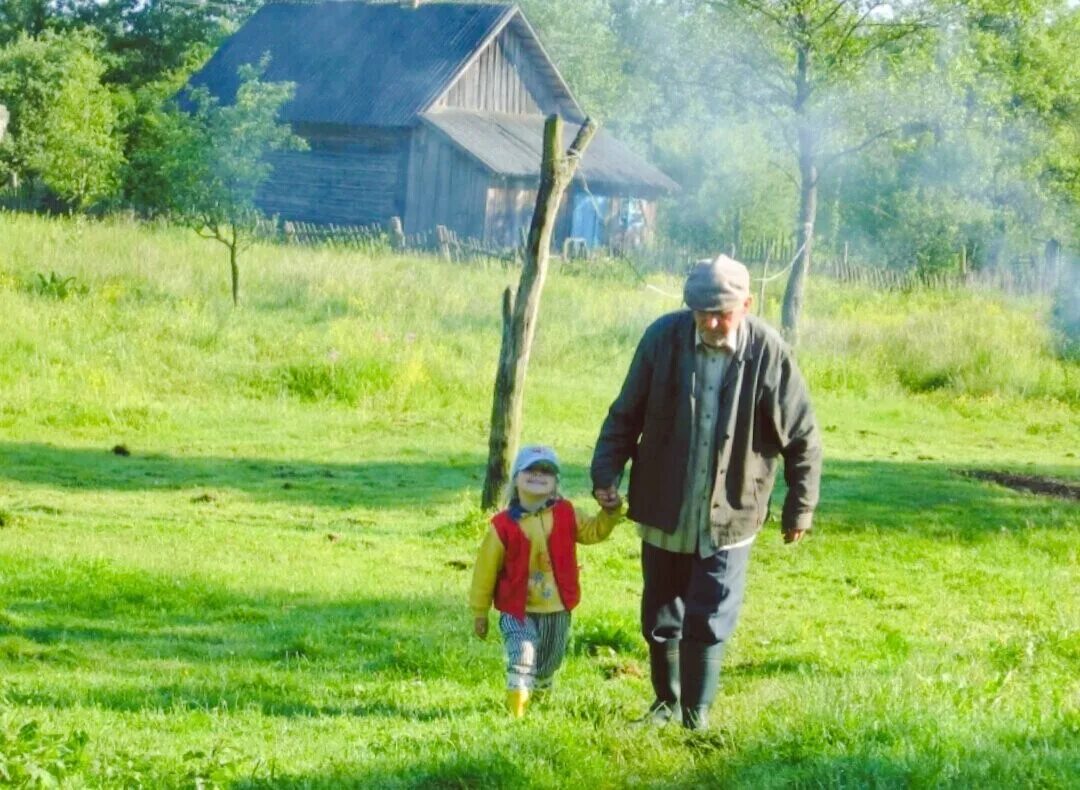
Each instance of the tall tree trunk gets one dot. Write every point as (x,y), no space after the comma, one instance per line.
(234,268)
(520,313)
(808,183)
(804,240)
(501,431)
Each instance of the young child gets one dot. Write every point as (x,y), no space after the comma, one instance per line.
(527,565)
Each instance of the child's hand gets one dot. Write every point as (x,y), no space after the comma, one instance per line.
(612,504)
(480,627)
(608,498)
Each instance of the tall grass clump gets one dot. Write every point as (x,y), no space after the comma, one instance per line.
(925,341)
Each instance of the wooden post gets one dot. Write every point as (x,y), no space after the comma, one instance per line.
(523,243)
(397,234)
(764,281)
(443,236)
(520,313)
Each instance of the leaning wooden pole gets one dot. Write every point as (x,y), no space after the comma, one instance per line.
(520,312)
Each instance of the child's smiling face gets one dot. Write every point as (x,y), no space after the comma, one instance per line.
(538,482)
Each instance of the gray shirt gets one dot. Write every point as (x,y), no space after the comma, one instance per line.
(693,533)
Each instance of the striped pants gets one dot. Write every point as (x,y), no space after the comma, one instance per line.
(534,648)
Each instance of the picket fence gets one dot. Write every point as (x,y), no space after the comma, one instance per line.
(768,258)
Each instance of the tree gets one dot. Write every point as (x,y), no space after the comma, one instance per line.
(215,158)
(143,39)
(19,17)
(796,61)
(63,120)
(521,312)
(583,41)
(994,174)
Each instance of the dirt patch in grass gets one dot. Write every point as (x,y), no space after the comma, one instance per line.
(1034,484)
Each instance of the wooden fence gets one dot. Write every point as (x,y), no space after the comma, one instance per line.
(1015,278)
(376,238)
(767,257)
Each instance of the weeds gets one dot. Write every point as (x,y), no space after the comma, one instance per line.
(56,287)
(605,637)
(33,757)
(213,768)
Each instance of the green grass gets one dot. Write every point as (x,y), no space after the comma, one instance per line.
(269,590)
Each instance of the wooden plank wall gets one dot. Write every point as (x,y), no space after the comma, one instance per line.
(510,206)
(445,187)
(348,177)
(509,212)
(503,79)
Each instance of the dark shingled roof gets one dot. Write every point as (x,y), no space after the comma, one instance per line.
(355,63)
(512,145)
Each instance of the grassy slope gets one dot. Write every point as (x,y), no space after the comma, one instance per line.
(269,590)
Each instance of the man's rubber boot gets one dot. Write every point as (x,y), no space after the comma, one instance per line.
(700,671)
(664,672)
(515,702)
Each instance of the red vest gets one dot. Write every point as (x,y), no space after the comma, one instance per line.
(512,584)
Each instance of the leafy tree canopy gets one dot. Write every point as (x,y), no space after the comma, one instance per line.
(63,129)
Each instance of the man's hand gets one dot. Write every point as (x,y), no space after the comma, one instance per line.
(608,498)
(794,535)
(480,627)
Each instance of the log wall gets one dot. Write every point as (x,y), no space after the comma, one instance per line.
(350,176)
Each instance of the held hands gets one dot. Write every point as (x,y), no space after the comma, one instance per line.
(608,498)
(480,627)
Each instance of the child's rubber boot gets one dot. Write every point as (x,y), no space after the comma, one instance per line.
(515,702)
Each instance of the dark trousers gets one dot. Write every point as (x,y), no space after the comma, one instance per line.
(691,597)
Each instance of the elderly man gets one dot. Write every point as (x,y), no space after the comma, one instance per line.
(711,401)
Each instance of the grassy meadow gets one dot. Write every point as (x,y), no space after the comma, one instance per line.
(235,544)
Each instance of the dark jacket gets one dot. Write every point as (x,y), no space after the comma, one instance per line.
(765,414)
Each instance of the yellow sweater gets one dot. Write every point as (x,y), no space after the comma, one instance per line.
(543,595)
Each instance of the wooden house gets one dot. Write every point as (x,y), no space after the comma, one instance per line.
(433,113)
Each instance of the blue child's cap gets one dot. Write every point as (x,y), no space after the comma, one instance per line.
(533,454)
